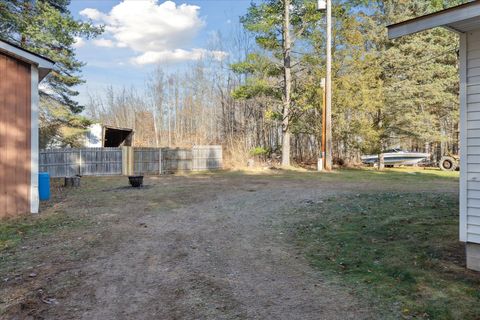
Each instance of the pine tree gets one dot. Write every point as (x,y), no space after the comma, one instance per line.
(421,77)
(390,93)
(46,27)
(278,27)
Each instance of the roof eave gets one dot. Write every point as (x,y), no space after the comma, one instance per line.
(44,65)
(444,18)
(117,128)
(43,72)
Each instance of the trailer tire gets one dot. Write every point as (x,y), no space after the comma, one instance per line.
(448,164)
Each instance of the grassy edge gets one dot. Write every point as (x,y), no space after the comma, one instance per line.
(382,243)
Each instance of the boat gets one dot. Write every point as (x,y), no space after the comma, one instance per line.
(397,157)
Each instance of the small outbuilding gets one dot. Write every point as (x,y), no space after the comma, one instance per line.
(20,73)
(99,136)
(465,21)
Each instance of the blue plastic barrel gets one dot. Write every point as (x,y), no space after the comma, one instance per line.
(44,186)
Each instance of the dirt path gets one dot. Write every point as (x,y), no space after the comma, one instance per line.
(221,259)
(218,253)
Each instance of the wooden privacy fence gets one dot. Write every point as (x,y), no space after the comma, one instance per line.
(128,161)
(205,157)
(174,160)
(146,161)
(81,161)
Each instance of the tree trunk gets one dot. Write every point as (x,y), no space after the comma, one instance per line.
(155,129)
(287,85)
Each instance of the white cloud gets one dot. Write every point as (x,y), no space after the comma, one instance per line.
(104,43)
(178,55)
(158,31)
(93,14)
(79,42)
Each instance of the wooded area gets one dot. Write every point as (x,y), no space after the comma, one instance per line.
(386,94)
(267,90)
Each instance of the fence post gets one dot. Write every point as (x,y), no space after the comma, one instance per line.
(80,162)
(194,156)
(127,161)
(160,172)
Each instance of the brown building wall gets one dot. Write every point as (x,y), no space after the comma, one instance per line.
(15,120)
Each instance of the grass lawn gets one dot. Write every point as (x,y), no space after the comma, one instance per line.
(397,179)
(13,231)
(401,249)
(391,236)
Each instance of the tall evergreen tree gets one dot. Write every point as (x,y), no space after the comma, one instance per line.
(419,75)
(279,27)
(389,93)
(46,27)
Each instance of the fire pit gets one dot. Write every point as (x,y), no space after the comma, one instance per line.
(135,181)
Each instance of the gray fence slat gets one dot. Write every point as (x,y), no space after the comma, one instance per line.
(207,158)
(101,161)
(147,161)
(59,163)
(176,160)
(84,161)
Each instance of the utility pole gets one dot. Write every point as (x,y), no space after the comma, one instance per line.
(328,86)
(324,131)
(321,159)
(287,84)
(327,119)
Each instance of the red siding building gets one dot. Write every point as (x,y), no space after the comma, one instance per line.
(20,73)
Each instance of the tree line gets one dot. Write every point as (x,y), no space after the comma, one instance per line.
(265,97)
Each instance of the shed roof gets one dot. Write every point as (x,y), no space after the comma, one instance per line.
(462,18)
(44,65)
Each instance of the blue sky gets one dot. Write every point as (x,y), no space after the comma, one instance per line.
(143,34)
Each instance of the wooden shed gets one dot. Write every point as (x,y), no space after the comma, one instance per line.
(20,73)
(465,21)
(105,136)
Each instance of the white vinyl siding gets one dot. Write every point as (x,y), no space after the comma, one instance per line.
(470,129)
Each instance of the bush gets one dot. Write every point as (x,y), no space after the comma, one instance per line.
(259,151)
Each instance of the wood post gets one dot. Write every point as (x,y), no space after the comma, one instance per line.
(324,126)
(381,161)
(287,86)
(79,162)
(72,182)
(328,87)
(127,161)
(160,171)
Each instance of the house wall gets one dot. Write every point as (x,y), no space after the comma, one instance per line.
(15,136)
(93,136)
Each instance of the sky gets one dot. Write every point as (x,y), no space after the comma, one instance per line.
(141,35)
